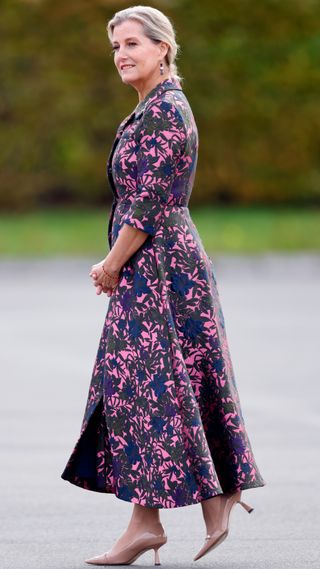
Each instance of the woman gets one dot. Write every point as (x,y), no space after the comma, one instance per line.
(163,426)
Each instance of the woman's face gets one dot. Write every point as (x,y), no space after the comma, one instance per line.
(136,57)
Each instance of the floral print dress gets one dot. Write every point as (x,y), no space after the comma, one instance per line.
(163,425)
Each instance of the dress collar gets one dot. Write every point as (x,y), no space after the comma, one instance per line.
(166,85)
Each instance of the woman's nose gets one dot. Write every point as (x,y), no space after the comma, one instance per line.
(121,52)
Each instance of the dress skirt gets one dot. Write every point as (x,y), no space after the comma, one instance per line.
(163,425)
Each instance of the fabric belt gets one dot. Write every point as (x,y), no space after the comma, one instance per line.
(121,202)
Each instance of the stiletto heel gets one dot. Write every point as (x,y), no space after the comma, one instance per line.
(246,507)
(156,556)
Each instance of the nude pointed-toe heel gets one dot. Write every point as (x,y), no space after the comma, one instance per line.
(142,543)
(217,537)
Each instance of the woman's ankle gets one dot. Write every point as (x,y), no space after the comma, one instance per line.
(144,517)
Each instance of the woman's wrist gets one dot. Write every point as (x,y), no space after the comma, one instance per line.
(112,277)
(110,268)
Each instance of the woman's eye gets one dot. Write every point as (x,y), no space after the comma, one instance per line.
(117,47)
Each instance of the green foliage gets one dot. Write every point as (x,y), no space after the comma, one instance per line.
(251,75)
(223,229)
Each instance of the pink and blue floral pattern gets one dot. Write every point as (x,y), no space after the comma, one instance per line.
(163,425)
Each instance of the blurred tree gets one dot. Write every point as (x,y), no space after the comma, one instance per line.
(251,76)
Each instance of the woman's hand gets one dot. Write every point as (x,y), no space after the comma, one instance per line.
(102,281)
(129,240)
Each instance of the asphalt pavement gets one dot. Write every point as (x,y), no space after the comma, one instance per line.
(51,321)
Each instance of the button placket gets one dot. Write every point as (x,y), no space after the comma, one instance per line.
(110,176)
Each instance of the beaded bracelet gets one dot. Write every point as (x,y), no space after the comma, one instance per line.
(108,274)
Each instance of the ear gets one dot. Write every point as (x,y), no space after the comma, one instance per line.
(163,48)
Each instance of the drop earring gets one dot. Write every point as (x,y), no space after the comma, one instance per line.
(161,68)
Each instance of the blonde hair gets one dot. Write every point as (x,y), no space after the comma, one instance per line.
(156,26)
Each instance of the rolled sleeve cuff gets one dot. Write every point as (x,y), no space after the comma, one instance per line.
(146,216)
